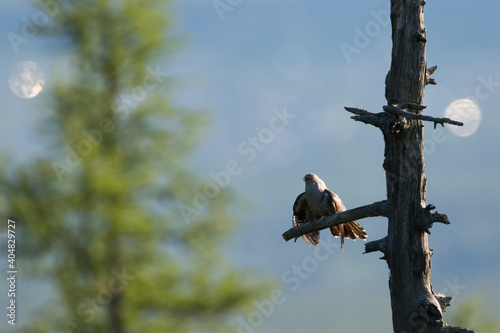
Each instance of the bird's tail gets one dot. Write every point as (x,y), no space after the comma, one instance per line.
(348,230)
(311,238)
(342,236)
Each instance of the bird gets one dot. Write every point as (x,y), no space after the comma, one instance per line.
(317,202)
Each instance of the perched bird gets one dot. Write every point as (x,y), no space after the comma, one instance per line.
(318,202)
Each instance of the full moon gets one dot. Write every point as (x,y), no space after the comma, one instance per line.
(466,111)
(26,79)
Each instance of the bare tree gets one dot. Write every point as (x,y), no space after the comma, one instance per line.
(415,306)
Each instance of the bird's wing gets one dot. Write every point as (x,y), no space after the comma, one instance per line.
(302,214)
(337,205)
(300,207)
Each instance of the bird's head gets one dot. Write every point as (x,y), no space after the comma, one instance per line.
(314,182)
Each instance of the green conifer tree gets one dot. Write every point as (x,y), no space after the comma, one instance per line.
(108,214)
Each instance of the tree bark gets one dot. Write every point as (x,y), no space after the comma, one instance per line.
(415,307)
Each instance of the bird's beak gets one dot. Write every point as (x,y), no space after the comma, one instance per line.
(309,178)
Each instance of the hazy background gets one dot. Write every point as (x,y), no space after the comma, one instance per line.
(262,57)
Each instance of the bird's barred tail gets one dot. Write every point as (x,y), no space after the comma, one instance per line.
(311,238)
(348,230)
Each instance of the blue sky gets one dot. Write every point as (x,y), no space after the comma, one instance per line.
(285,57)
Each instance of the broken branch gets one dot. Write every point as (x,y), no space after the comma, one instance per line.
(399,112)
(377,245)
(375,119)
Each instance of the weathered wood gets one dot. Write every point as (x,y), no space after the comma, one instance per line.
(415,307)
(428,79)
(399,112)
(378,245)
(385,123)
(376,119)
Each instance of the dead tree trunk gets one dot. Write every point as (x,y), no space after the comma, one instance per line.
(415,306)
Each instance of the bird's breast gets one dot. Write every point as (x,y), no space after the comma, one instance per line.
(318,203)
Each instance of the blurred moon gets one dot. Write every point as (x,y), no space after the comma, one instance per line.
(466,111)
(26,79)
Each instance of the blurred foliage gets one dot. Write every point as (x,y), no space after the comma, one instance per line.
(101,214)
(472,314)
